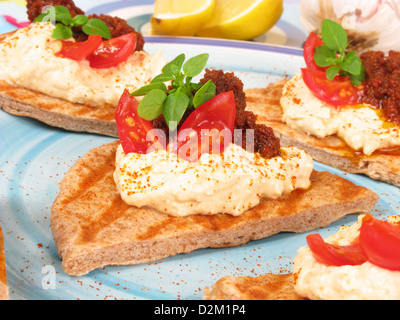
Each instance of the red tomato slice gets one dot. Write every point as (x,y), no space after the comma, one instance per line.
(208,129)
(380,242)
(114,51)
(311,43)
(135,133)
(79,50)
(338,92)
(334,255)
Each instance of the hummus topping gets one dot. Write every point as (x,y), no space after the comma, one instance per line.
(232,182)
(28,60)
(363,127)
(367,281)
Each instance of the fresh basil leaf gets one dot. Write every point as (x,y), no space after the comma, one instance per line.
(196,86)
(323,56)
(352,64)
(205,93)
(151,106)
(175,65)
(62,14)
(174,108)
(97,26)
(79,20)
(47,16)
(195,65)
(163,77)
(334,35)
(332,72)
(358,79)
(149,87)
(61,32)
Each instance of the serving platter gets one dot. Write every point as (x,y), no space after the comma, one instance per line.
(34,158)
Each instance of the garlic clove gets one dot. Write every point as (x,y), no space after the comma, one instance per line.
(370,24)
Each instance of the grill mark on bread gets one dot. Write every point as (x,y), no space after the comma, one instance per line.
(92,177)
(90,228)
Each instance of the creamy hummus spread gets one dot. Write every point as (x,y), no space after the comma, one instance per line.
(367,281)
(362,127)
(232,182)
(27,59)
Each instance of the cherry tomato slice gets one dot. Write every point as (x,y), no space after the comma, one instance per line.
(334,255)
(311,43)
(380,242)
(338,92)
(79,50)
(114,51)
(208,129)
(135,133)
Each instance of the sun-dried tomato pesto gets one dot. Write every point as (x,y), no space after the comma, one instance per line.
(265,142)
(382,82)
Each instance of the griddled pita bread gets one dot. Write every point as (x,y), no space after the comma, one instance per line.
(93,227)
(331,150)
(265,287)
(57,112)
(3,273)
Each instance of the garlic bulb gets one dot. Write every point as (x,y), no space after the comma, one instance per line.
(370,24)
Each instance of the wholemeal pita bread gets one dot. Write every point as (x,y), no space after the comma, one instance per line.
(331,150)
(265,287)
(56,112)
(3,273)
(93,227)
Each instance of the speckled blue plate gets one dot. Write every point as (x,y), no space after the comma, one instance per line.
(35,157)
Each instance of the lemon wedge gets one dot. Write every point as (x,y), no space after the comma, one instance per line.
(242,19)
(180,17)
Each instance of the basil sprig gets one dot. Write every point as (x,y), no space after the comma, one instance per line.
(174,100)
(333,54)
(61,17)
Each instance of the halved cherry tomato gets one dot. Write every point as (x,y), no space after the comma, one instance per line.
(135,133)
(114,51)
(208,129)
(380,242)
(311,43)
(334,255)
(79,50)
(338,92)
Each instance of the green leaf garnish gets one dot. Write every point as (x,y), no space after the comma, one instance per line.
(333,54)
(153,104)
(181,94)
(149,87)
(174,65)
(195,65)
(205,93)
(333,35)
(61,32)
(96,26)
(175,107)
(79,20)
(61,17)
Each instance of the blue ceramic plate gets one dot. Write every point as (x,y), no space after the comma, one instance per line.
(35,157)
